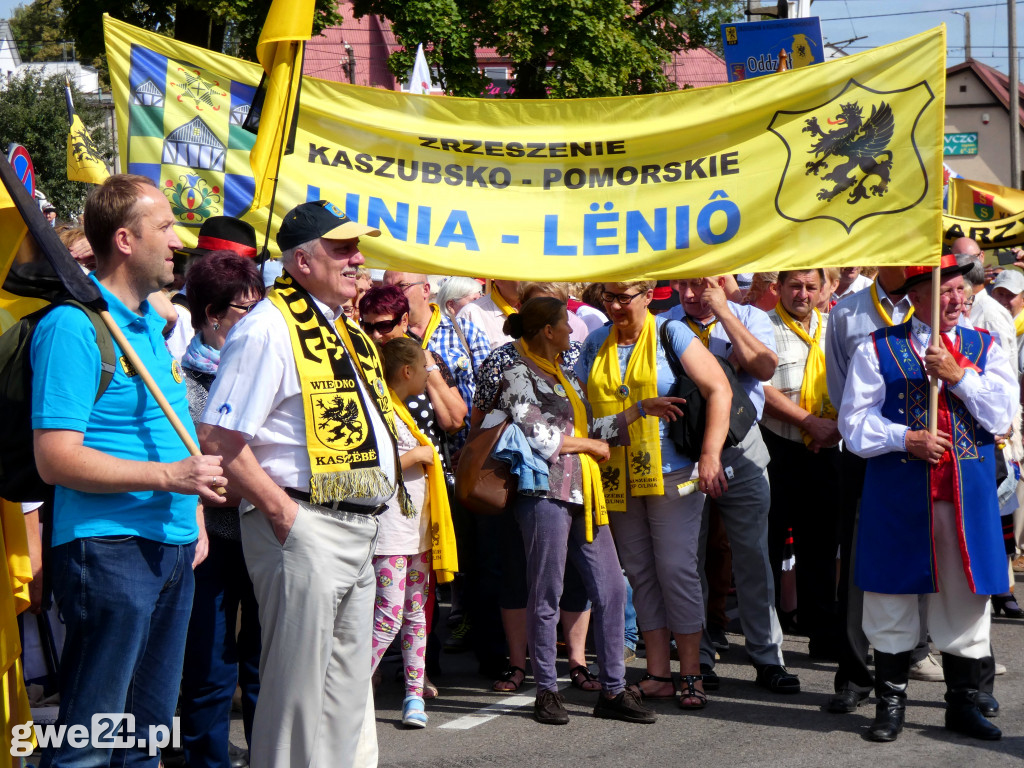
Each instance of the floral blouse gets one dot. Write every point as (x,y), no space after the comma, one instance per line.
(533,401)
(488,375)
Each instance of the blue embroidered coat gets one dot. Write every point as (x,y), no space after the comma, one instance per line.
(895,553)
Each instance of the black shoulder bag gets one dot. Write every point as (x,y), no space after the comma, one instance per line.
(688,432)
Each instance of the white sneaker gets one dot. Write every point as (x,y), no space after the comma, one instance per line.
(928,670)
(1000,668)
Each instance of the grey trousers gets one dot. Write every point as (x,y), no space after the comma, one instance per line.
(315,596)
(744,510)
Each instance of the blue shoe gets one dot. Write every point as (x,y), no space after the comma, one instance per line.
(413,715)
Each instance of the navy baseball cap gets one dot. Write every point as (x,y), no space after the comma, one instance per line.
(309,221)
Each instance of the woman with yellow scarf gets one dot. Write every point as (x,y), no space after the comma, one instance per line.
(655,495)
(569,520)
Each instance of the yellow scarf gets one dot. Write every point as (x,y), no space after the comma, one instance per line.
(594,510)
(814,389)
(343,450)
(704,334)
(609,394)
(442,532)
(432,323)
(885,315)
(1018,323)
(499,300)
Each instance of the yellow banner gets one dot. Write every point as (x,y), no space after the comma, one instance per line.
(14,246)
(979,200)
(822,164)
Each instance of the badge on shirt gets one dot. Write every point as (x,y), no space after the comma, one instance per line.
(379,386)
(127,367)
(462,363)
(176,372)
(559,390)
(624,392)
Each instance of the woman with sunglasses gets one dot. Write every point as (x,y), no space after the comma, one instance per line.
(222,288)
(656,527)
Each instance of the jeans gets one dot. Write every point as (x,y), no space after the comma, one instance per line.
(632,633)
(125,602)
(215,662)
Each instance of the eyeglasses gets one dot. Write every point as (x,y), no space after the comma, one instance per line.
(381,326)
(246,308)
(406,286)
(623,299)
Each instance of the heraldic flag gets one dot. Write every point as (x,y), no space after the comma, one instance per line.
(826,159)
(84,160)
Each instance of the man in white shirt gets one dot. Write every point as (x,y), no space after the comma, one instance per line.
(300,411)
(488,313)
(918,536)
(850,281)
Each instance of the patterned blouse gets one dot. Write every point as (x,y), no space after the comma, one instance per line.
(488,376)
(530,397)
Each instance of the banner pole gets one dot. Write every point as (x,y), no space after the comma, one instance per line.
(933,384)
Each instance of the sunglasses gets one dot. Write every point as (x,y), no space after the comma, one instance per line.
(381,326)
(246,308)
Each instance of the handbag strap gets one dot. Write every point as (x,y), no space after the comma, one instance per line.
(673,362)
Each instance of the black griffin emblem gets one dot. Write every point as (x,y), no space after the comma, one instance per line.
(610,479)
(640,463)
(84,148)
(863,144)
(339,417)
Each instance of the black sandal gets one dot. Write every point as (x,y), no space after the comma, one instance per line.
(658,679)
(581,676)
(508,677)
(691,692)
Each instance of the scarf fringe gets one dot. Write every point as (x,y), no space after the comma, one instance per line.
(326,487)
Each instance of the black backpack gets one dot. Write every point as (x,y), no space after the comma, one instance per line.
(19,479)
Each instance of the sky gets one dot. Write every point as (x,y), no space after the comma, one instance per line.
(885,21)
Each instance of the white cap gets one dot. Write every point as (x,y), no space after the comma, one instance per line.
(1010,279)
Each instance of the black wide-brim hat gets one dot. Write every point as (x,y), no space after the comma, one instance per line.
(226,233)
(664,298)
(916,275)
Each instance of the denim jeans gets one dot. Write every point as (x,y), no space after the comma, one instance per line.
(632,633)
(125,602)
(215,662)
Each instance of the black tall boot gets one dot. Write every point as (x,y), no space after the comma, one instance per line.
(891,671)
(985,701)
(962,715)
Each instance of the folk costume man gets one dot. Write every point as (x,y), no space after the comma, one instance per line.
(800,430)
(918,536)
(850,323)
(301,411)
(743,335)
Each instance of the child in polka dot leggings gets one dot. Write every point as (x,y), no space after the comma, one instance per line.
(402,559)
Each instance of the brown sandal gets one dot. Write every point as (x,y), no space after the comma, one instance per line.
(581,677)
(658,679)
(509,676)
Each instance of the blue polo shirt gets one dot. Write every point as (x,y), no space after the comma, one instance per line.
(125,423)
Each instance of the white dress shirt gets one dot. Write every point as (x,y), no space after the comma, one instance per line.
(257,392)
(991,397)
(484,313)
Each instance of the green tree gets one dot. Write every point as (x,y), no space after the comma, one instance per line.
(33,112)
(38,30)
(559,49)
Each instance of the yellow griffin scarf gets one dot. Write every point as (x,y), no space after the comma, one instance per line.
(609,394)
(594,510)
(704,334)
(814,389)
(500,302)
(343,451)
(432,323)
(1018,323)
(885,315)
(442,532)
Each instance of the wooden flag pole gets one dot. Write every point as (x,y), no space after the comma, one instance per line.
(933,384)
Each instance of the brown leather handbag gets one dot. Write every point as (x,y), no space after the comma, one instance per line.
(484,484)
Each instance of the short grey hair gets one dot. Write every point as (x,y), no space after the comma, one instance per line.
(455,288)
(288,256)
(976,274)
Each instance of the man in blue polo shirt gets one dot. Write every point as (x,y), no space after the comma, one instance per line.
(125,530)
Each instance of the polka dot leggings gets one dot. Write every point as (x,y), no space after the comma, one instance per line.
(401,594)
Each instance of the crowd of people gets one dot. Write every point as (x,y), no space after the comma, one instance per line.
(313,530)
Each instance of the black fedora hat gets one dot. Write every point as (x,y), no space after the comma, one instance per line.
(226,233)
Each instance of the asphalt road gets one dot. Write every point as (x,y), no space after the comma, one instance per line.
(743,725)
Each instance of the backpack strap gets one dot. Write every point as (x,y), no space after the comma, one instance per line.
(105,342)
(673,362)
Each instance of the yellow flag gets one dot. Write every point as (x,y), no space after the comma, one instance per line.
(15,575)
(279,50)
(979,200)
(823,162)
(84,160)
(13,245)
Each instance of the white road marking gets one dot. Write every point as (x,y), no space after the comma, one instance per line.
(501,707)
